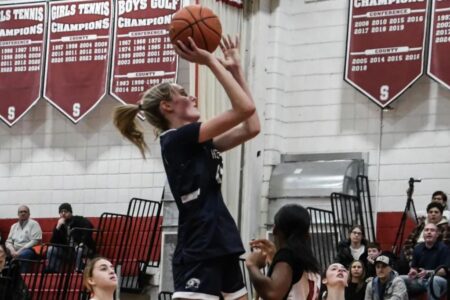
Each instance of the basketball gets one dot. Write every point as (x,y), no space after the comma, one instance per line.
(198,22)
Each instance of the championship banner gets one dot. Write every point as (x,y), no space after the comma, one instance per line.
(22,33)
(439,49)
(385,47)
(143,54)
(78,48)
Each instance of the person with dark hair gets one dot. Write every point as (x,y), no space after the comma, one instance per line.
(70,230)
(206,259)
(334,282)
(354,248)
(440,197)
(293,258)
(373,250)
(100,279)
(356,288)
(387,285)
(434,216)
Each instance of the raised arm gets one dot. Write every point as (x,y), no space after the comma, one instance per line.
(242,106)
(250,127)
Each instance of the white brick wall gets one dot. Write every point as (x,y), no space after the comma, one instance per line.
(310,109)
(45,160)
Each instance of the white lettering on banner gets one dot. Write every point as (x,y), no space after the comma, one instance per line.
(36,29)
(76,109)
(100,24)
(33,13)
(384,93)
(11,113)
(367,3)
(5,15)
(164,4)
(126,22)
(126,6)
(61,11)
(97,8)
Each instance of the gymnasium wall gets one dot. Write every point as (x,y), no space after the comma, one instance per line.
(45,160)
(310,109)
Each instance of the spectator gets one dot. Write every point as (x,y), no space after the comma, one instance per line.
(387,285)
(294,271)
(427,257)
(373,250)
(356,287)
(441,198)
(354,248)
(23,235)
(434,216)
(100,279)
(69,231)
(335,280)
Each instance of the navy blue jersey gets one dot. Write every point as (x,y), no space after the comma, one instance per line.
(206,228)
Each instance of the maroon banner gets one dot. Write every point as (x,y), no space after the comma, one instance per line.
(143,54)
(385,47)
(22,34)
(237,3)
(439,49)
(78,48)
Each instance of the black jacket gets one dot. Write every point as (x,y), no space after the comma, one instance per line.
(61,235)
(344,255)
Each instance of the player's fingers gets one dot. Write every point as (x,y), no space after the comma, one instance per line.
(230,40)
(226,42)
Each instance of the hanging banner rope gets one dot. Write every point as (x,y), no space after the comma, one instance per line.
(78,47)
(22,34)
(143,53)
(439,49)
(385,47)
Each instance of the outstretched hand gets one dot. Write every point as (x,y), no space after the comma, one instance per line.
(266,247)
(192,53)
(230,49)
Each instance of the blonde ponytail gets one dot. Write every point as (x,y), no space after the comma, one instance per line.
(125,121)
(125,115)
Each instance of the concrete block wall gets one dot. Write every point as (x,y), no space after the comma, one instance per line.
(310,109)
(45,160)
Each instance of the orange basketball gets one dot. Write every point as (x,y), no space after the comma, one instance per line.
(198,22)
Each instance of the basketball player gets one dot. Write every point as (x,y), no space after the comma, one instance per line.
(206,259)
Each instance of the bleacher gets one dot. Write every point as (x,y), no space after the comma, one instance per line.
(130,241)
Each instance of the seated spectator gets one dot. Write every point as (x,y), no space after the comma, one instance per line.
(434,216)
(334,281)
(292,260)
(427,256)
(64,234)
(23,235)
(387,284)
(439,197)
(100,279)
(354,248)
(373,250)
(356,288)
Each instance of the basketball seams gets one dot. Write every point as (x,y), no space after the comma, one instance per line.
(204,26)
(210,27)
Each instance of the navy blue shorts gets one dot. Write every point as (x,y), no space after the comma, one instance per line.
(209,279)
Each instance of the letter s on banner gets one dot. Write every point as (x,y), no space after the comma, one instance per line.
(384,92)
(11,113)
(76,109)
